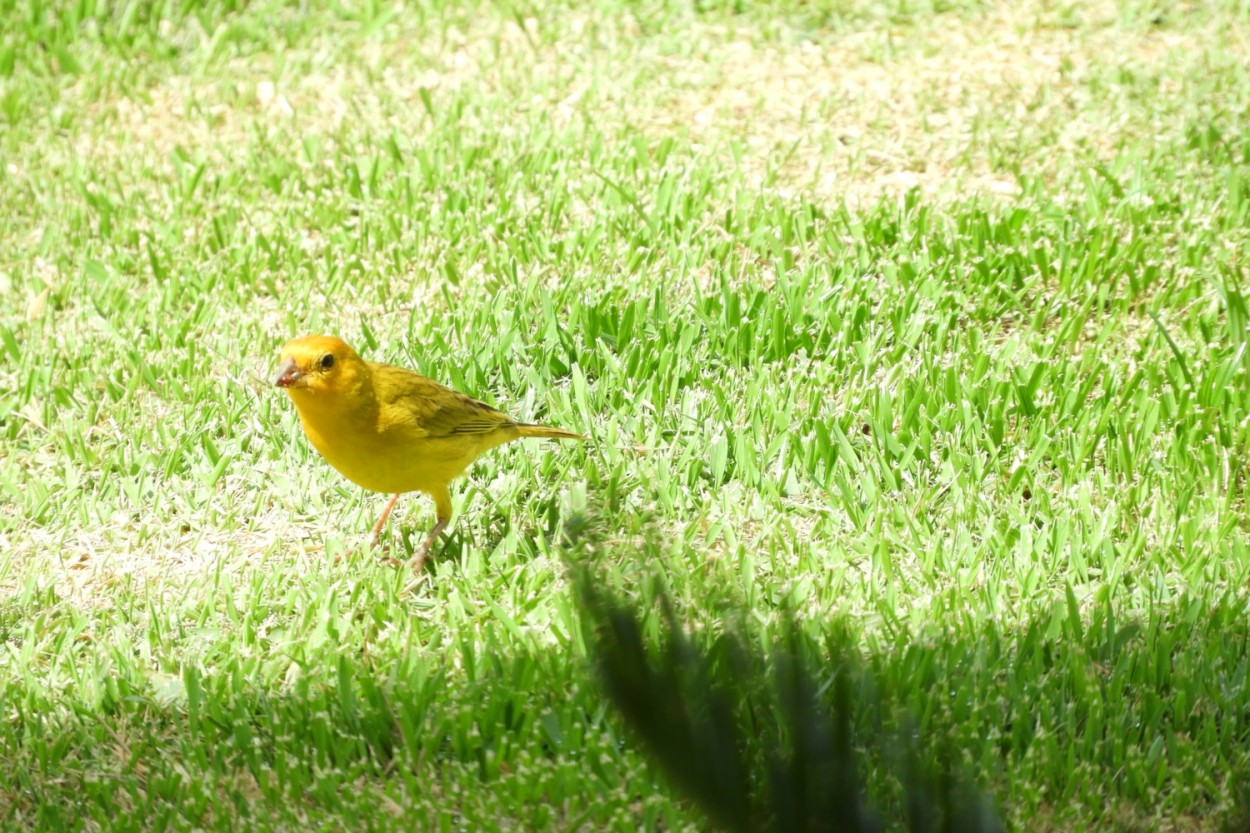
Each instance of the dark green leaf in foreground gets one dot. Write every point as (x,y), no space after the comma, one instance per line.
(749,739)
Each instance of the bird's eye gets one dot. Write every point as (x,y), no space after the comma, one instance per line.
(327,361)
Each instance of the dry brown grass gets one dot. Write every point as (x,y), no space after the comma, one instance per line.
(951,105)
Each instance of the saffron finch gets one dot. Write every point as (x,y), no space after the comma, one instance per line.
(389,429)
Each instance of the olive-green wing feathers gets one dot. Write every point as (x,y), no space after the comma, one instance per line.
(412,400)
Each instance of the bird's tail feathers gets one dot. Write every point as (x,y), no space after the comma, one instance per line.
(546,432)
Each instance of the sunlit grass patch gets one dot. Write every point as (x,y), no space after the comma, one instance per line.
(930,323)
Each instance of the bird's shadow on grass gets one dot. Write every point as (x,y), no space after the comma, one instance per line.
(458,540)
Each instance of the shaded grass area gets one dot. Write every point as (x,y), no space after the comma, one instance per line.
(956,365)
(1059,711)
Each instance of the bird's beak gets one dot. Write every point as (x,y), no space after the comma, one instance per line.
(288,374)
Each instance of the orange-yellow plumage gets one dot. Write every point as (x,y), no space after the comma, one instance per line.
(389,429)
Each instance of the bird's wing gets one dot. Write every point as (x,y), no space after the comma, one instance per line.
(432,409)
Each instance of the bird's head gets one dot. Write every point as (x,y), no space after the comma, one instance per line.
(317,365)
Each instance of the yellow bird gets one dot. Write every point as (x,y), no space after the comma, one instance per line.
(389,429)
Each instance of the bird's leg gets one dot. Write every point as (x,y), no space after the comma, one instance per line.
(442,514)
(377,527)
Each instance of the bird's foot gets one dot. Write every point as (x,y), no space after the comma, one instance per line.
(423,554)
(376,543)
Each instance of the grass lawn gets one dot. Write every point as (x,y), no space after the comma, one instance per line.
(925,320)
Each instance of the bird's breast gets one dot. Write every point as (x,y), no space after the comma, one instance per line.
(390,459)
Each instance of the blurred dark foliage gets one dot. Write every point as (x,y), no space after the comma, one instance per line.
(1240,822)
(764,740)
